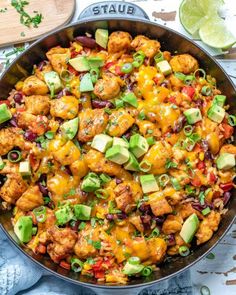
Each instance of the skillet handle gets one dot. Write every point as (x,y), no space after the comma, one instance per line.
(113,9)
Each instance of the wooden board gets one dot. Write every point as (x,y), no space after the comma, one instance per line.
(56,13)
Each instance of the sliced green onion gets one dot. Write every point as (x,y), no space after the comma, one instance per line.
(52,89)
(66,76)
(195,137)
(188,130)
(150,140)
(180,76)
(134,260)
(94,74)
(206,90)
(163,180)
(76,264)
(155,233)
(145,166)
(189,79)
(138,57)
(205,290)
(34,230)
(101,194)
(141,115)
(206,211)
(127,68)
(202,198)
(210,256)
(2,164)
(158,57)
(146,271)
(40,213)
(176,184)
(49,134)
(105,178)
(189,144)
(14,156)
(200,71)
(119,103)
(184,251)
(108,111)
(232,120)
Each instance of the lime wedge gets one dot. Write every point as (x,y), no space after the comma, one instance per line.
(194,13)
(215,33)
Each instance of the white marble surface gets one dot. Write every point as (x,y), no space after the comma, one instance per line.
(218,274)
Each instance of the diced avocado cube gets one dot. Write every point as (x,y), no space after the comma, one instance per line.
(2,164)
(70,128)
(121,142)
(117,154)
(82,212)
(148,183)
(80,64)
(132,269)
(193,115)
(164,67)
(95,62)
(23,228)
(225,161)
(90,183)
(216,113)
(138,145)
(131,99)
(132,164)
(101,142)
(5,114)
(86,83)
(189,228)
(24,168)
(101,37)
(219,100)
(64,215)
(53,81)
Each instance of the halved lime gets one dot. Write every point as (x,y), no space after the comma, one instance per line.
(194,13)
(215,33)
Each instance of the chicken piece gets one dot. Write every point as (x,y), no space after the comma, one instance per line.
(92,122)
(145,126)
(40,71)
(65,107)
(13,188)
(34,86)
(74,86)
(82,248)
(44,226)
(9,167)
(149,47)
(157,155)
(184,63)
(127,194)
(120,121)
(97,162)
(175,82)
(228,148)
(186,210)
(137,222)
(30,199)
(9,138)
(172,224)
(107,88)
(159,204)
(63,241)
(119,42)
(59,57)
(207,227)
(67,154)
(79,168)
(37,104)
(37,124)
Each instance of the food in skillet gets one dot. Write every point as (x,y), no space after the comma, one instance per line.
(115,155)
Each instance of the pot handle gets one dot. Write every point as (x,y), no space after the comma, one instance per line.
(110,8)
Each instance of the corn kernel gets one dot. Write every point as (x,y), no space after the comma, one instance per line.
(86,266)
(13,111)
(201,156)
(19,85)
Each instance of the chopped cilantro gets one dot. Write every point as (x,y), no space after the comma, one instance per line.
(169,164)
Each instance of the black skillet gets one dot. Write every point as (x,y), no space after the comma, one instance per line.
(131,18)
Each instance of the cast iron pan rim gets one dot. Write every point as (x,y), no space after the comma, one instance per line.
(90,285)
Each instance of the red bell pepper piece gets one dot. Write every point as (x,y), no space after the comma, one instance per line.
(64,264)
(172,99)
(201,165)
(7,102)
(99,274)
(189,91)
(108,65)
(212,178)
(118,71)
(226,186)
(196,182)
(228,130)
(72,70)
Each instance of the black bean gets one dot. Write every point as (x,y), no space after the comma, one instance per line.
(63,92)
(110,216)
(118,181)
(121,215)
(179,124)
(100,104)
(18,97)
(226,197)
(29,135)
(43,189)
(42,64)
